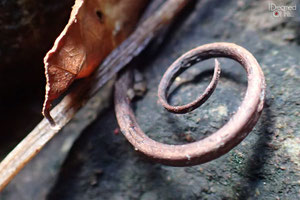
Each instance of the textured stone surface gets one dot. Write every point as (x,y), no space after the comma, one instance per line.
(266,165)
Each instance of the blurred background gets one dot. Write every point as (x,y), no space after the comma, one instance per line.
(27,31)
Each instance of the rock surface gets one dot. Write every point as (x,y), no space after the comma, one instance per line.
(266,165)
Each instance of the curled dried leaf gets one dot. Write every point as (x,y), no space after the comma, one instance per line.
(94,29)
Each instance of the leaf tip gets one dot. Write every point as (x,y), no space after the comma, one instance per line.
(46,112)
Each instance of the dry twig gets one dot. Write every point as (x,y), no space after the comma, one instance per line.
(68,107)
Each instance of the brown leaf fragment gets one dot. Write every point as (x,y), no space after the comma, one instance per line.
(153,24)
(94,29)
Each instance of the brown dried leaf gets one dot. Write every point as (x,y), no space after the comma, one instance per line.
(94,29)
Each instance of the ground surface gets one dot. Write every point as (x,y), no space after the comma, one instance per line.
(266,165)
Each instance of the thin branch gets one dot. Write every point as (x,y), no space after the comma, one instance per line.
(69,106)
